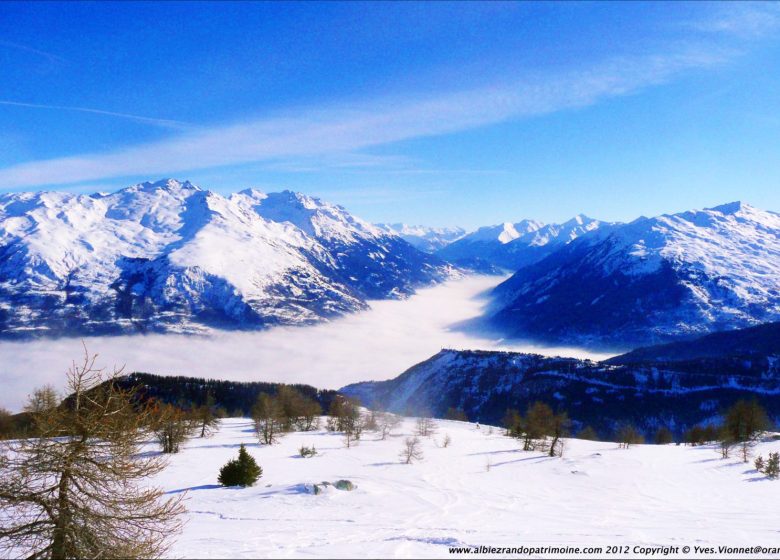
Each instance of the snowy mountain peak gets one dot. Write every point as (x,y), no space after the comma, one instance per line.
(169,256)
(170,185)
(428,239)
(732,207)
(315,217)
(654,278)
(508,233)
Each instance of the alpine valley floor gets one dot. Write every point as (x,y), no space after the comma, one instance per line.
(481,490)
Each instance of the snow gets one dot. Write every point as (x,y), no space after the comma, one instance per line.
(327,355)
(168,256)
(425,238)
(596,495)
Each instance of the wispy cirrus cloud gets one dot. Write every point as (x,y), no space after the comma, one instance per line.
(165,123)
(745,20)
(51,57)
(343,129)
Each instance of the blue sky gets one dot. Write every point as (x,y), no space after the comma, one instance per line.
(434,113)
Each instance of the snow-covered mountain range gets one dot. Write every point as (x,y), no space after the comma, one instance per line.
(511,246)
(169,256)
(428,239)
(651,280)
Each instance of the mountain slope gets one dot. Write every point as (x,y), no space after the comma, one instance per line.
(512,246)
(373,262)
(651,280)
(168,256)
(427,239)
(602,395)
(762,340)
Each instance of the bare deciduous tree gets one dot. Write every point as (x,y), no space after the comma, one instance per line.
(411,451)
(206,418)
(269,418)
(386,423)
(78,489)
(171,426)
(425,426)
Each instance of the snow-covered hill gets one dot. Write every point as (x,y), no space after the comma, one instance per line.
(512,246)
(602,395)
(651,280)
(428,239)
(481,490)
(168,256)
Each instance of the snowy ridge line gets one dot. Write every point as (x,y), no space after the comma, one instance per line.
(650,281)
(169,256)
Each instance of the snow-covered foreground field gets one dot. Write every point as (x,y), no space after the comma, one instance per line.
(374,345)
(596,495)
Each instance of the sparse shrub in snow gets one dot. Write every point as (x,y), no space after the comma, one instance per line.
(446,441)
(425,426)
(269,418)
(298,411)
(663,436)
(344,415)
(559,428)
(206,417)
(243,471)
(456,414)
(513,422)
(488,463)
(172,426)
(628,435)
(386,424)
(371,421)
(411,451)
(587,433)
(759,463)
(743,423)
(307,451)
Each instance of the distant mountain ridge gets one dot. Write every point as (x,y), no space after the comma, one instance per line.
(168,256)
(511,246)
(650,281)
(637,387)
(427,239)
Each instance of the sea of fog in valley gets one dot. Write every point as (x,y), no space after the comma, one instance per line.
(373,345)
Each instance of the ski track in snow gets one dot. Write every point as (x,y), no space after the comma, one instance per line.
(373,345)
(596,495)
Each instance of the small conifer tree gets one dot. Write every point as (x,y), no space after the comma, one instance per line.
(759,463)
(243,471)
(772,468)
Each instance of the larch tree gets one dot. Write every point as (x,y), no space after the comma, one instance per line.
(78,487)
(206,418)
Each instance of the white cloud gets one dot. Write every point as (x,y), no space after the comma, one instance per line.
(745,20)
(340,130)
(377,344)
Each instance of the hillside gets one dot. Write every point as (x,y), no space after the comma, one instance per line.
(651,281)
(762,340)
(646,496)
(603,395)
(170,257)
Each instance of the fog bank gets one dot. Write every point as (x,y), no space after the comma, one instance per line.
(373,345)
